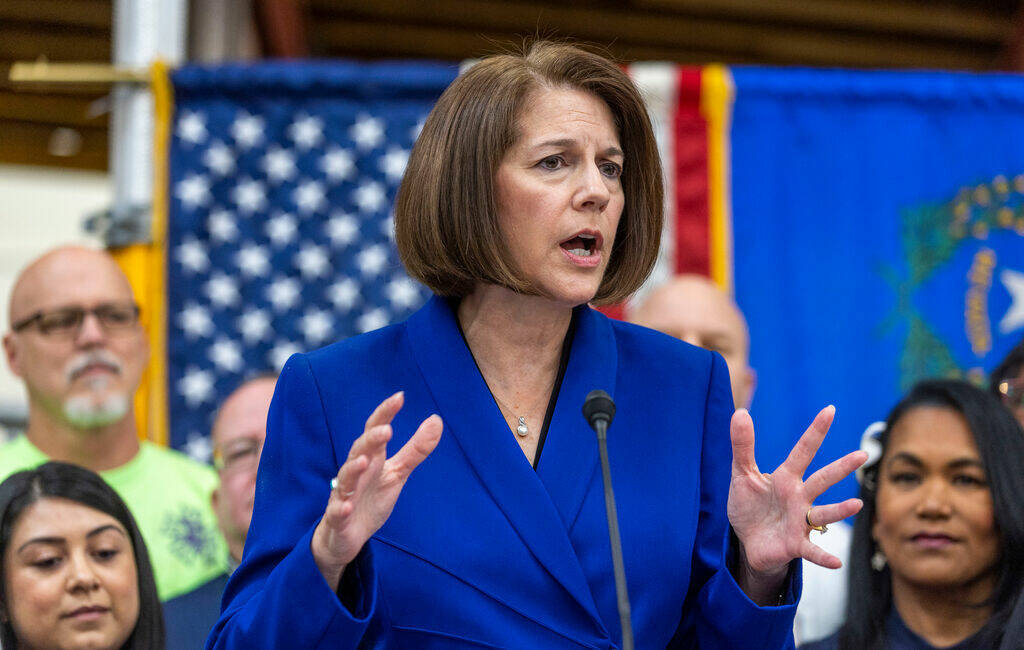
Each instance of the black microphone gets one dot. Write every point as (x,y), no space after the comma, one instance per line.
(599,409)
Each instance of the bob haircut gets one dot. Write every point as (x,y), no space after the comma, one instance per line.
(446,216)
(74,483)
(1000,443)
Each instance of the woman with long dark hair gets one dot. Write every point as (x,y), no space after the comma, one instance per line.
(937,559)
(74,571)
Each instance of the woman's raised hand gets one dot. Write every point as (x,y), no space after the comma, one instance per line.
(367,487)
(770,512)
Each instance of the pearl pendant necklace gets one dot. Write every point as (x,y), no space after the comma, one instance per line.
(522,430)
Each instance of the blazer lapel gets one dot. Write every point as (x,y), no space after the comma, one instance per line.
(569,459)
(473,419)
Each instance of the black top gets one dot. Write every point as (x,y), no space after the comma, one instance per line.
(898,637)
(563,362)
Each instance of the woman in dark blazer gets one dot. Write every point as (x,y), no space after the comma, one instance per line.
(533,190)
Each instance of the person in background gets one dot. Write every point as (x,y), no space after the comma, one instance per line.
(1007,381)
(76,342)
(74,571)
(692,308)
(938,550)
(237,435)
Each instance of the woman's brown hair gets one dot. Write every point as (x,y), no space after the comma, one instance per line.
(446,216)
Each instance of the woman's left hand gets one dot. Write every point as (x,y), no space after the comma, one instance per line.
(770,512)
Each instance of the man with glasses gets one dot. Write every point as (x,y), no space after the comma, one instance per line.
(76,342)
(1007,381)
(238,433)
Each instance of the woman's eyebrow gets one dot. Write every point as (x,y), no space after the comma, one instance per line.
(97,531)
(52,539)
(41,540)
(906,457)
(965,462)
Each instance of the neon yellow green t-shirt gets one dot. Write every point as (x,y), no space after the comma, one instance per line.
(168,493)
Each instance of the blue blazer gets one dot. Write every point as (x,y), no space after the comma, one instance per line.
(482,551)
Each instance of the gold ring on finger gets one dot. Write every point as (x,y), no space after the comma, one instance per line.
(821,529)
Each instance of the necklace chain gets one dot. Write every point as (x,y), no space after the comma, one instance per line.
(522,429)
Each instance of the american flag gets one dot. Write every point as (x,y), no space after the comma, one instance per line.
(280,233)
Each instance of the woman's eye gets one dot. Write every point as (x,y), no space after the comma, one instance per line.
(47,563)
(552,163)
(968,480)
(905,478)
(611,170)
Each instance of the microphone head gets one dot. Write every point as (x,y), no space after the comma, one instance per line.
(598,406)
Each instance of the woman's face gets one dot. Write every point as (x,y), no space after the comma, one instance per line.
(70,578)
(559,193)
(934,518)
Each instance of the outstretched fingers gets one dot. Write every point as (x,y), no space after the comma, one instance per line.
(741,431)
(814,553)
(833,512)
(807,446)
(419,446)
(834,472)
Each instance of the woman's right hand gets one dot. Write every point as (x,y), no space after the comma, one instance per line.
(367,487)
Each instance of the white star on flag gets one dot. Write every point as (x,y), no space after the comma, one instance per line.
(369,196)
(253,260)
(1014,317)
(192,127)
(341,229)
(393,163)
(195,321)
(387,227)
(222,290)
(371,260)
(199,448)
(193,191)
(280,352)
(337,164)
(254,325)
(247,130)
(372,320)
(307,132)
(403,293)
(283,293)
(279,164)
(282,229)
(309,197)
(343,294)
(368,132)
(316,326)
(250,195)
(222,226)
(226,355)
(196,386)
(312,261)
(220,159)
(191,254)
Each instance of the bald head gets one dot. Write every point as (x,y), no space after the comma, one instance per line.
(692,308)
(58,277)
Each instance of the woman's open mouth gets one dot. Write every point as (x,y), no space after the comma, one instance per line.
(583,248)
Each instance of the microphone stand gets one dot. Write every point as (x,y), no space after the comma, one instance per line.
(599,421)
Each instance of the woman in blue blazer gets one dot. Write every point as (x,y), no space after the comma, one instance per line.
(533,190)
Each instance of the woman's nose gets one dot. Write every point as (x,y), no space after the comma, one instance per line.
(593,192)
(82,574)
(934,501)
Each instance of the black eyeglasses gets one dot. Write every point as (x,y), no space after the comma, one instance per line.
(1012,393)
(67,321)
